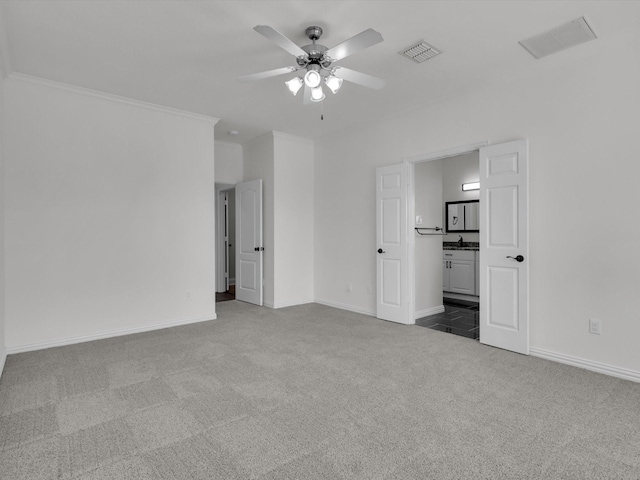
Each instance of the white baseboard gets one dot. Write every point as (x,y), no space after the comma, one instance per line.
(275,305)
(611,370)
(428,312)
(343,306)
(292,304)
(61,342)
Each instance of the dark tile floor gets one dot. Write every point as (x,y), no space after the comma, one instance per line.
(459,317)
(228,295)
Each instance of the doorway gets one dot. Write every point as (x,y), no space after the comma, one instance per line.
(441,203)
(226,254)
(504,243)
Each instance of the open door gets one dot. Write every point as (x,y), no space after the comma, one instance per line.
(249,242)
(392,300)
(504,254)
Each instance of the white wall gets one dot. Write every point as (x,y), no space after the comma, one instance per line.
(228,163)
(258,158)
(579,110)
(285,165)
(3,350)
(293,222)
(428,248)
(109,215)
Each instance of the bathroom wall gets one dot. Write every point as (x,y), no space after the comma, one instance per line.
(428,248)
(456,171)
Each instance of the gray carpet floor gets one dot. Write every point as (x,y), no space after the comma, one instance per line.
(309,392)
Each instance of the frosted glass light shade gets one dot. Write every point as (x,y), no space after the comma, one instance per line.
(317,95)
(312,79)
(294,85)
(334,83)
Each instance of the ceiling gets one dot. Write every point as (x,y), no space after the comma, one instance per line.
(189,54)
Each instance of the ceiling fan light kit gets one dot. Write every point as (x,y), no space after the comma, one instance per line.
(317,62)
(333,83)
(294,85)
(313,78)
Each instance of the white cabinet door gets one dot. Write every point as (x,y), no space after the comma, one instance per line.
(477,282)
(458,271)
(462,276)
(446,283)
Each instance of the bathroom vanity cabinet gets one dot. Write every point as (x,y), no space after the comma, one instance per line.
(459,271)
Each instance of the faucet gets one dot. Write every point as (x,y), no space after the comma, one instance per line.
(460,242)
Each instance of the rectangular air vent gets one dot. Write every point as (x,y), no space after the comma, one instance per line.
(420,52)
(560,38)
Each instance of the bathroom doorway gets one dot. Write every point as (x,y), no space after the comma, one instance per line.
(447,244)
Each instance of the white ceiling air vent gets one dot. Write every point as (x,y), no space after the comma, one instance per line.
(560,38)
(420,52)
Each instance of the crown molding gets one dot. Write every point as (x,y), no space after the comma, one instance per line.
(288,136)
(22,77)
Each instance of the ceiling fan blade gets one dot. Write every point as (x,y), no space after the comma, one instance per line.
(267,74)
(280,40)
(359,78)
(359,42)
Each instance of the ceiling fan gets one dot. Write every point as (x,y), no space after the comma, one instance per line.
(318,62)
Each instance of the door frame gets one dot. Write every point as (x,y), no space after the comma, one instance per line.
(411,200)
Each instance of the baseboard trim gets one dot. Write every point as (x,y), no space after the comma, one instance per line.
(343,306)
(61,342)
(598,367)
(292,304)
(428,312)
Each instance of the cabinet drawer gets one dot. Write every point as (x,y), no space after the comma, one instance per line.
(459,255)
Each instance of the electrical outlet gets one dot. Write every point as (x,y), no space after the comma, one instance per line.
(594,326)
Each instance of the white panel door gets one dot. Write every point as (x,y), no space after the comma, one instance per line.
(392,250)
(249,242)
(504,254)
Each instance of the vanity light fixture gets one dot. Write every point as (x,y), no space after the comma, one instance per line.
(470,186)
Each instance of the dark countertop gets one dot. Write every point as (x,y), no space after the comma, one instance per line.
(472,246)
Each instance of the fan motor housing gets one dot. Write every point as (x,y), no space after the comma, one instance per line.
(315,54)
(313,32)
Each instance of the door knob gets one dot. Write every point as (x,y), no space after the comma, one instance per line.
(519,258)
(381,251)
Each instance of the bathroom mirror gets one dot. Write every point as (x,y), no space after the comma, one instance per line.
(462,216)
